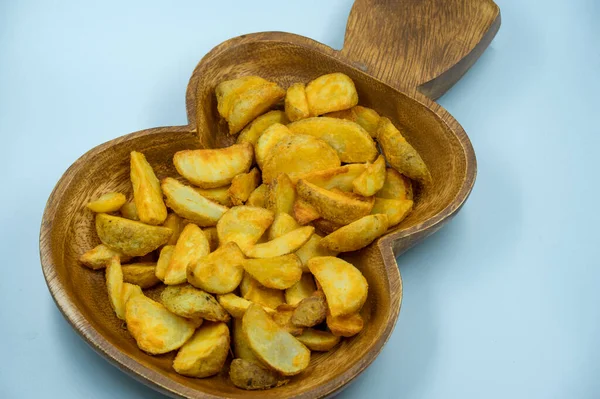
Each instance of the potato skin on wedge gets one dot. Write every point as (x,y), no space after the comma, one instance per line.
(205,353)
(250,376)
(192,303)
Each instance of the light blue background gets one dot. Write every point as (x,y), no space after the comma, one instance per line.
(502,303)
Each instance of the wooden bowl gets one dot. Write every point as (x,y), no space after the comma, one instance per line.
(397,53)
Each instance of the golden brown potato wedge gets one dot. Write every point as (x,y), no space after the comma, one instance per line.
(345,326)
(154,328)
(396,186)
(129,211)
(250,376)
(109,202)
(266,339)
(340,178)
(219,194)
(372,179)
(279,272)
(142,274)
(282,245)
(255,292)
(243,185)
(326,226)
(304,212)
(236,306)
(400,154)
(212,236)
(241,348)
(396,210)
(302,289)
(282,224)
(357,234)
(254,130)
(147,194)
(219,272)
(296,104)
(258,197)
(333,206)
(312,249)
(190,248)
(212,168)
(351,142)
(310,312)
(283,318)
(97,257)
(192,303)
(128,236)
(365,117)
(244,225)
(114,286)
(318,341)
(127,291)
(243,99)
(282,195)
(343,284)
(174,222)
(331,92)
(187,203)
(164,259)
(205,353)
(263,149)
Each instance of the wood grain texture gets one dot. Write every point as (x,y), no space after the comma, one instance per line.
(67,227)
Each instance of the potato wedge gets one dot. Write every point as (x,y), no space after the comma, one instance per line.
(129,211)
(357,234)
(326,226)
(282,224)
(318,341)
(142,274)
(331,92)
(192,303)
(243,99)
(109,202)
(345,326)
(236,306)
(164,259)
(266,339)
(97,257)
(212,237)
(333,206)
(187,203)
(282,245)
(365,117)
(250,376)
(154,328)
(310,312)
(304,212)
(302,289)
(263,149)
(372,179)
(396,210)
(147,194)
(243,185)
(219,195)
(241,348)
(244,225)
(396,186)
(255,129)
(312,249)
(279,272)
(400,154)
(340,178)
(174,222)
(212,168)
(282,195)
(205,353)
(258,198)
(297,155)
(129,237)
(190,248)
(296,104)
(114,286)
(219,272)
(343,284)
(255,292)
(283,318)
(127,291)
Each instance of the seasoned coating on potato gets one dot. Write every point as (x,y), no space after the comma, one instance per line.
(187,203)
(282,195)
(219,195)
(296,104)
(396,210)
(97,257)
(256,128)
(357,234)
(372,179)
(258,198)
(304,288)
(279,272)
(304,212)
(243,185)
(109,202)
(283,245)
(205,353)
(310,312)
(142,274)
(331,92)
(250,376)
(244,225)
(341,177)
(345,326)
(318,341)
(192,303)
(396,186)
(282,224)
(219,272)
(147,194)
(191,247)
(174,222)
(365,117)
(164,258)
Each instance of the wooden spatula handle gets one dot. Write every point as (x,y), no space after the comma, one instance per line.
(424,45)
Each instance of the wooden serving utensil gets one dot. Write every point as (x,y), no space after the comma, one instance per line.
(402,55)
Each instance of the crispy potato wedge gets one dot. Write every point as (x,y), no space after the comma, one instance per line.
(267,339)
(254,130)
(127,291)
(243,185)
(154,328)
(164,258)
(142,274)
(174,222)
(345,326)
(250,376)
(371,180)
(244,225)
(333,206)
(296,104)
(310,312)
(129,211)
(236,306)
(365,117)
(318,341)
(212,168)
(241,348)
(263,149)
(280,272)
(304,288)
(312,249)
(219,195)
(282,224)
(192,303)
(255,292)
(243,99)
(109,202)
(304,213)
(187,203)
(396,210)
(340,178)
(97,257)
(205,353)
(219,272)
(129,237)
(400,154)
(283,318)
(351,142)
(258,198)
(212,237)
(326,226)
(282,245)
(343,284)
(396,186)
(282,195)
(331,92)
(299,154)
(190,248)
(357,234)
(147,194)
(114,286)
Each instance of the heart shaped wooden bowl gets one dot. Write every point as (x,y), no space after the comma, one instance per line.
(401,55)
